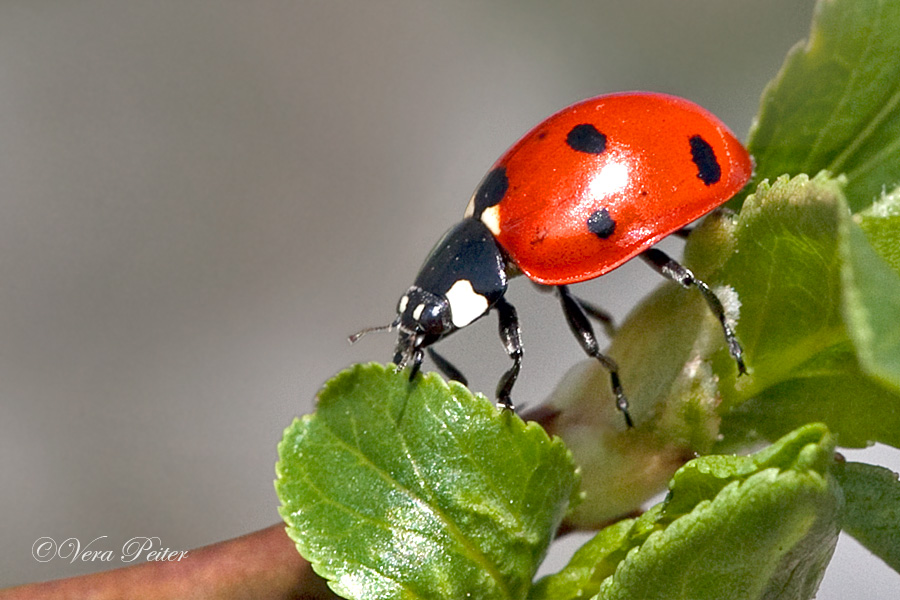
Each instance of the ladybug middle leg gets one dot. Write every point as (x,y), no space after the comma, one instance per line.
(671,269)
(584,333)
(598,314)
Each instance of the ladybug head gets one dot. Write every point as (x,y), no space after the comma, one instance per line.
(461,279)
(424,313)
(422,318)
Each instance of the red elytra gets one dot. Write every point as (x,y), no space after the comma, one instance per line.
(663,163)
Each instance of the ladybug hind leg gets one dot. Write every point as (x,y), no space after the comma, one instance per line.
(584,333)
(669,268)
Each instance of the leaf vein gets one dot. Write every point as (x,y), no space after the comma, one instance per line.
(428,503)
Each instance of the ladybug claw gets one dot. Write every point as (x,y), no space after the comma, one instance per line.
(622,405)
(505,404)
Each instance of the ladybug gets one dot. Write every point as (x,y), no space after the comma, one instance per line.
(591,187)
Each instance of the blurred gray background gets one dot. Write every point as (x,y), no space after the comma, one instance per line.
(200,200)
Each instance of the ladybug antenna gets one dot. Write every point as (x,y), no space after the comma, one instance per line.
(389,327)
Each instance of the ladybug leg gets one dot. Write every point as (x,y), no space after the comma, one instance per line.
(446,367)
(584,333)
(409,354)
(511,337)
(598,314)
(416,360)
(683,233)
(669,268)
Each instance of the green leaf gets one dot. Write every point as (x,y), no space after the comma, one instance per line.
(785,270)
(761,526)
(817,313)
(835,105)
(590,565)
(872,513)
(830,387)
(818,319)
(808,448)
(872,302)
(626,467)
(672,361)
(395,489)
(881,224)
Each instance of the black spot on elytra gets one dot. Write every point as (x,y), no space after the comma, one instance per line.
(585,138)
(491,191)
(708,169)
(601,224)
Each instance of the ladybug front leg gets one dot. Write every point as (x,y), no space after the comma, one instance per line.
(446,367)
(511,337)
(669,268)
(584,333)
(409,354)
(416,363)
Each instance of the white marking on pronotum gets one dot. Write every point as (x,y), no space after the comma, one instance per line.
(466,304)
(470,207)
(403,302)
(491,218)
